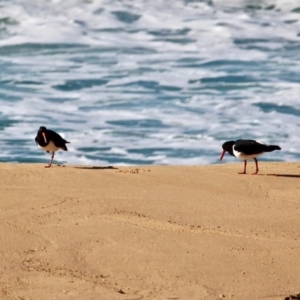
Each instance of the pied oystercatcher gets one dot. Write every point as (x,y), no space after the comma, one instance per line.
(247,149)
(50,141)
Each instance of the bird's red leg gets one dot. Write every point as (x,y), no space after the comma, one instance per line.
(50,161)
(256,163)
(245,165)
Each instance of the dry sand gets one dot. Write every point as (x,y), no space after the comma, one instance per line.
(149,232)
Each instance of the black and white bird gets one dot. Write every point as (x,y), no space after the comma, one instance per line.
(50,141)
(247,149)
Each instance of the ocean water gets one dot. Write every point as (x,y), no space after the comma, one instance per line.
(149,82)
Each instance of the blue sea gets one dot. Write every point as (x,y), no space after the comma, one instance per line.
(149,82)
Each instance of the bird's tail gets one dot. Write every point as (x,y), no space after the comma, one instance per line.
(64,146)
(271,148)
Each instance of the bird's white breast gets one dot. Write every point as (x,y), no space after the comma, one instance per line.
(50,147)
(244,156)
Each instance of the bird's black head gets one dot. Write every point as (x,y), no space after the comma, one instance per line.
(227,146)
(42,129)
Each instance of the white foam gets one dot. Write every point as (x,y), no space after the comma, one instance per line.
(193,114)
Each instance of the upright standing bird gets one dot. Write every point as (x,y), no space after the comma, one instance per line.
(247,149)
(50,141)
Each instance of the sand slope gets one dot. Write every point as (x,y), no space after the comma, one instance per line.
(158,232)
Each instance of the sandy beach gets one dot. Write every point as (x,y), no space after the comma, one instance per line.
(149,232)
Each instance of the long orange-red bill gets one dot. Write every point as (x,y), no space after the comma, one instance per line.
(222,154)
(44,135)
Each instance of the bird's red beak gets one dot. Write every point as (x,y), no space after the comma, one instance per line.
(44,135)
(222,154)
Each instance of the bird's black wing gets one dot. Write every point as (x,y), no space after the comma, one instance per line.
(56,138)
(249,147)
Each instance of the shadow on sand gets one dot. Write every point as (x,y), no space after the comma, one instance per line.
(296,297)
(97,168)
(283,175)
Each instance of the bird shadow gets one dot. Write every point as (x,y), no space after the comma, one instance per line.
(283,175)
(97,168)
(296,297)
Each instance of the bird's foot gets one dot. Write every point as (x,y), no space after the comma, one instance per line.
(242,173)
(255,173)
(48,166)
